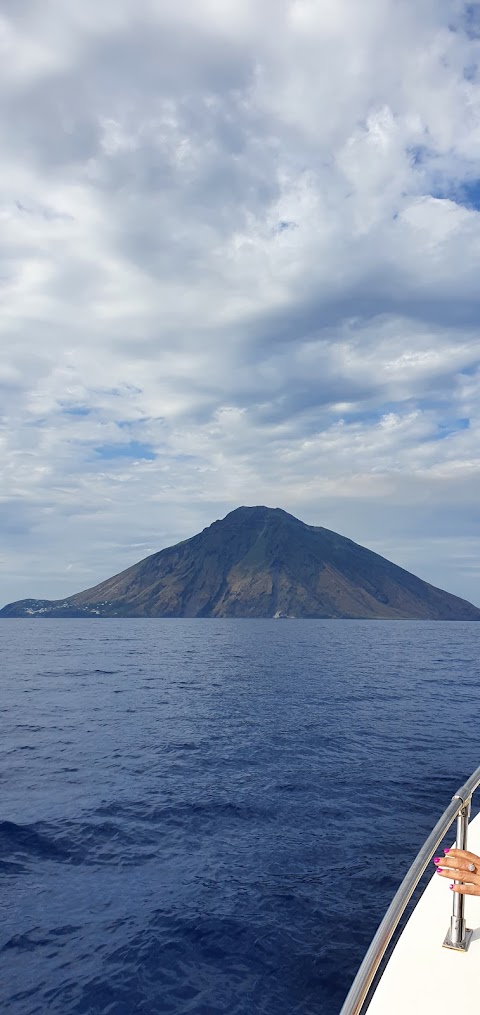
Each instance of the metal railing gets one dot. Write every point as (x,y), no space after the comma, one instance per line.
(457,936)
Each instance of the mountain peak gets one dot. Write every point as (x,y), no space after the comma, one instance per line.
(258,512)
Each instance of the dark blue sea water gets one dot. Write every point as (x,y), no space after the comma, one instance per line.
(210,817)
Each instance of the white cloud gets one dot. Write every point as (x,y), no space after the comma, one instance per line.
(232,238)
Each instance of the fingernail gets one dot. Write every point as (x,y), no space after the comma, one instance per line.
(451,888)
(439,870)
(436,859)
(446,851)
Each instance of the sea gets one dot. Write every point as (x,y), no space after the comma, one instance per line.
(210,817)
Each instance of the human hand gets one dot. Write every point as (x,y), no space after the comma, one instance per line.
(463,866)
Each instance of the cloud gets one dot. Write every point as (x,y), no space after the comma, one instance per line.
(239,261)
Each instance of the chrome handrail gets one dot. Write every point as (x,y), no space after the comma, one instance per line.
(458,807)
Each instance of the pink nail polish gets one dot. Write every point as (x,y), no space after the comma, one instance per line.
(451,888)
(446,851)
(439,870)
(436,859)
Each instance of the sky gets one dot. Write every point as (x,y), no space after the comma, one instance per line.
(239,264)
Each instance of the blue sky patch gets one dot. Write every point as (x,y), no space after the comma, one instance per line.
(134,449)
(465,193)
(452,426)
(471,20)
(470,192)
(76,410)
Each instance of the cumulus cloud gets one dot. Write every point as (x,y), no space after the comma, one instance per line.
(239,261)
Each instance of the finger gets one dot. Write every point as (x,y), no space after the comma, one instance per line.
(456,863)
(466,889)
(458,875)
(463,854)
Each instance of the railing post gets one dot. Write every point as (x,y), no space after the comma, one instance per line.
(458,936)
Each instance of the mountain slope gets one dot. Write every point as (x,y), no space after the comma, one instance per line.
(259,562)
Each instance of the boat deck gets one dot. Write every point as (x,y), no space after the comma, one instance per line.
(422,977)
